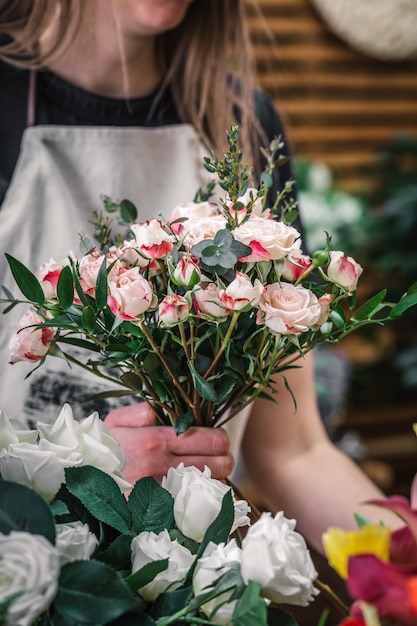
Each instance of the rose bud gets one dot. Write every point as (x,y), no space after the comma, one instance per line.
(344,271)
(173,309)
(241,294)
(187,273)
(295,266)
(30,343)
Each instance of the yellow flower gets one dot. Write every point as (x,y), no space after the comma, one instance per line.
(339,544)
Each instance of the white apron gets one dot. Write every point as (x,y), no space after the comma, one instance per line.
(57,183)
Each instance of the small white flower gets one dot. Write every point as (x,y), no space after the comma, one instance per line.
(14,431)
(29,565)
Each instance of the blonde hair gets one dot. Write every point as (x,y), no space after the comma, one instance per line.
(206,60)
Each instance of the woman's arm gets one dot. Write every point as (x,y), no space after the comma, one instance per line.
(295,467)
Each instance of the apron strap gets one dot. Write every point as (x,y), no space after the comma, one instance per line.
(31,103)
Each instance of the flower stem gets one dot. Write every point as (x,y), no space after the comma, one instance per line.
(224,343)
(333,597)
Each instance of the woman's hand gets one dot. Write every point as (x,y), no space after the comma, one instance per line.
(150,449)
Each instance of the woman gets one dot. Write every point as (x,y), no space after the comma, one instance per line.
(135,91)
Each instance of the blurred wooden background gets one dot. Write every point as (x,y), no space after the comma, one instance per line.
(340,106)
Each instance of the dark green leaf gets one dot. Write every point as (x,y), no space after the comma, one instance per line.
(405,303)
(26,281)
(65,288)
(146,574)
(34,517)
(250,609)
(128,212)
(203,387)
(101,286)
(279,617)
(183,422)
(170,602)
(370,307)
(100,494)
(118,554)
(89,319)
(59,508)
(151,506)
(91,592)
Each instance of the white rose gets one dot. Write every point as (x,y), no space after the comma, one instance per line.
(269,239)
(74,542)
(194,210)
(276,557)
(29,565)
(198,499)
(148,547)
(203,228)
(130,294)
(30,343)
(288,309)
(101,450)
(26,464)
(63,431)
(216,560)
(48,274)
(13,431)
(152,240)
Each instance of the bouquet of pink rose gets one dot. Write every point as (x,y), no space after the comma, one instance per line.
(196,314)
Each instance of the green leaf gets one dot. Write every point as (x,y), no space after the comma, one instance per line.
(59,508)
(90,592)
(405,303)
(370,307)
(26,281)
(65,287)
(101,286)
(183,422)
(169,602)
(128,212)
(89,319)
(146,574)
(100,494)
(151,506)
(34,517)
(203,387)
(266,179)
(337,319)
(118,554)
(250,608)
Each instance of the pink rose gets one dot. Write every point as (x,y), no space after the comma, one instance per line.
(187,273)
(88,269)
(295,265)
(130,294)
(173,309)
(192,211)
(204,228)
(241,293)
(207,302)
(152,240)
(29,343)
(270,240)
(325,302)
(344,271)
(129,255)
(288,310)
(48,275)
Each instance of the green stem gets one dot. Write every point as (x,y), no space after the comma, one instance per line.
(224,343)
(334,598)
(161,357)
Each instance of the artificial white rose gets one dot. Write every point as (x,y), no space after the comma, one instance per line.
(148,547)
(276,557)
(101,450)
(14,431)
(27,464)
(74,542)
(216,560)
(63,431)
(29,565)
(68,457)
(198,499)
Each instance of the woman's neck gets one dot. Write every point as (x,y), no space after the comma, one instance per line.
(99,60)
